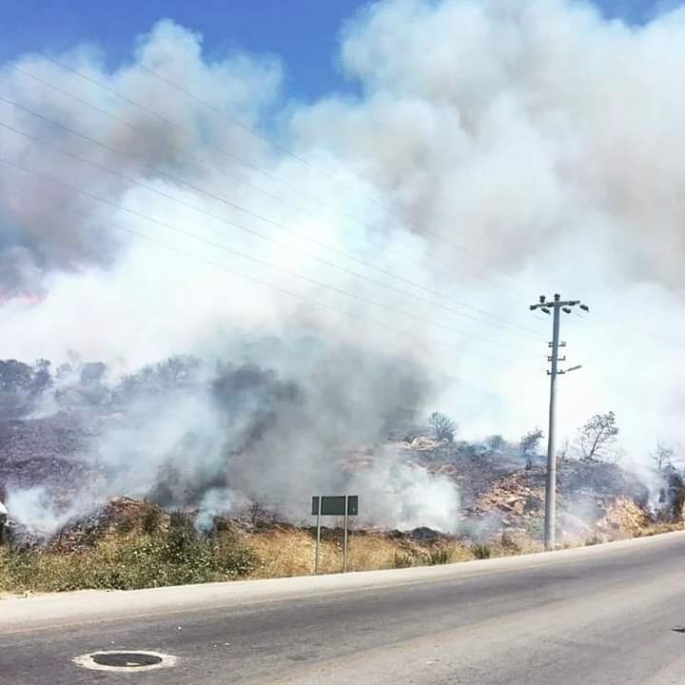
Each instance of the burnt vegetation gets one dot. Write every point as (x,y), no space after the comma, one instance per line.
(444,428)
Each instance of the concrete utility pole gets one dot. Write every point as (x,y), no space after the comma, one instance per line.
(554,307)
(3,521)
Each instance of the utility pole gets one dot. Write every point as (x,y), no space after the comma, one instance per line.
(554,307)
(3,521)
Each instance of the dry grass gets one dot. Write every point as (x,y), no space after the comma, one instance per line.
(659,528)
(131,560)
(282,554)
(372,552)
(177,556)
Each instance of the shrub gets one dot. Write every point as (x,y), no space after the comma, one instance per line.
(529,445)
(481,551)
(403,560)
(126,525)
(151,521)
(495,443)
(443,427)
(536,529)
(508,543)
(176,558)
(439,556)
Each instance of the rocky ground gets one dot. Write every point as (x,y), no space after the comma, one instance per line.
(44,451)
(501,493)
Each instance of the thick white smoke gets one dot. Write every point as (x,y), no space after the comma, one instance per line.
(531,133)
(550,141)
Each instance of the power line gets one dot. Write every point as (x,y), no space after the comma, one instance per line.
(222,219)
(284,291)
(258,216)
(224,151)
(256,260)
(259,134)
(246,127)
(632,327)
(670,342)
(271,286)
(580,319)
(171,123)
(245,183)
(642,331)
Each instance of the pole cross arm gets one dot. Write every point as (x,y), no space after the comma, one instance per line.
(557,303)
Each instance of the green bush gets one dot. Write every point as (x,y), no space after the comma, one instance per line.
(508,543)
(151,521)
(536,529)
(402,560)
(178,557)
(439,556)
(481,551)
(126,525)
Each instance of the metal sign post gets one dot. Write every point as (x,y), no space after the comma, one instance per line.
(343,505)
(347,508)
(318,534)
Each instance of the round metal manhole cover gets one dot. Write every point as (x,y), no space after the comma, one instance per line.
(125,661)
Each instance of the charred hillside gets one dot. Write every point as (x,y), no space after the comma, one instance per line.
(219,440)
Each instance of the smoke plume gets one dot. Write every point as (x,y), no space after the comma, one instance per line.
(217,438)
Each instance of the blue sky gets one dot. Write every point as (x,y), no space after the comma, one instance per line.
(303,32)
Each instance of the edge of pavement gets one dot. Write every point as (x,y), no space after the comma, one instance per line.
(23,614)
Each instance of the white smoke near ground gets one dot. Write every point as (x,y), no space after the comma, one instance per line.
(242,433)
(406,496)
(35,508)
(532,133)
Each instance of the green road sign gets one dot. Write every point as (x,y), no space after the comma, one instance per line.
(335,506)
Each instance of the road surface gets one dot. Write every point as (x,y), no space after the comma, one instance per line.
(595,616)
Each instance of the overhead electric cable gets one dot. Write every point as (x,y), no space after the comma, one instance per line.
(500,323)
(143,108)
(256,260)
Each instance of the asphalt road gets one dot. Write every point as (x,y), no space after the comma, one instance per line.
(597,616)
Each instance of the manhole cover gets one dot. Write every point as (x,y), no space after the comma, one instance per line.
(122,660)
(127,659)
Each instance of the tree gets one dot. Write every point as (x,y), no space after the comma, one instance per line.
(15,388)
(529,444)
(495,443)
(597,438)
(93,373)
(42,380)
(64,371)
(530,441)
(672,494)
(662,456)
(177,369)
(443,427)
(15,376)
(562,452)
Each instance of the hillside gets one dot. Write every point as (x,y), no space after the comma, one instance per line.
(56,475)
